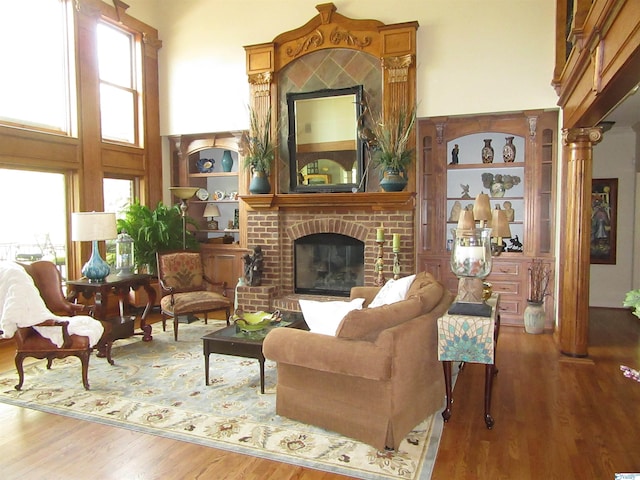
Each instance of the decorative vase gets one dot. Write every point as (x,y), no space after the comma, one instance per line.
(534,317)
(227,161)
(393,181)
(487,151)
(509,151)
(497,189)
(259,183)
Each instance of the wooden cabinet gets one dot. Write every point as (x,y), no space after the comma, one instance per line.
(197,161)
(524,184)
(224,263)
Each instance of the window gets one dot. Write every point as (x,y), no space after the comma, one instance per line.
(119,96)
(35,217)
(37,87)
(118,195)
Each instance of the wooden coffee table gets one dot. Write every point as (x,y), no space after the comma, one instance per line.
(228,341)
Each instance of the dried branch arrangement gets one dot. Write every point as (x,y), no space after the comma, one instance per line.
(539,277)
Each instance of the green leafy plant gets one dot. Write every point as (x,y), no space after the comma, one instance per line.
(632,299)
(391,146)
(155,230)
(258,145)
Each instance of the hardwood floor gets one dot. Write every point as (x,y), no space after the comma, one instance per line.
(556,418)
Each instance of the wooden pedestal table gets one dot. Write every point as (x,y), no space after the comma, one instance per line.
(119,285)
(469,338)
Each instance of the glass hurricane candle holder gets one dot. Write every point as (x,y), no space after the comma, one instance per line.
(471,263)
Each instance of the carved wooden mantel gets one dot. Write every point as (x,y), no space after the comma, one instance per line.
(376,201)
(394,45)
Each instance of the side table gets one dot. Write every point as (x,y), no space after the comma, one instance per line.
(120,285)
(468,338)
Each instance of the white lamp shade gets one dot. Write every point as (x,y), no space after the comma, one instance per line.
(466,220)
(482,207)
(499,224)
(211,210)
(89,226)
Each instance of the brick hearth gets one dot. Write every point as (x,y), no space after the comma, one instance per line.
(277,225)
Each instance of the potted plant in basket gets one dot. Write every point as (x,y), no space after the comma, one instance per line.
(259,150)
(539,278)
(392,153)
(154,230)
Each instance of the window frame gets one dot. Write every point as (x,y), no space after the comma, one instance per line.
(69,127)
(135,88)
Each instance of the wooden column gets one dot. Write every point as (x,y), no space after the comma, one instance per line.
(575,244)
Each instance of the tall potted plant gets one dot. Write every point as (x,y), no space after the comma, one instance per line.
(392,150)
(259,149)
(154,230)
(539,278)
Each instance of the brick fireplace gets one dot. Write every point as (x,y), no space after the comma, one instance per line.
(275,221)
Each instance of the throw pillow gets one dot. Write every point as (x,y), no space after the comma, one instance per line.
(324,317)
(368,322)
(392,291)
(427,290)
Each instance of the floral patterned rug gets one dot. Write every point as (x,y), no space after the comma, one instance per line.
(158,387)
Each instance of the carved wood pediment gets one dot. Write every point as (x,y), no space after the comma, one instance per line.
(394,45)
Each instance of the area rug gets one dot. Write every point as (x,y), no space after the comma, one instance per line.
(158,388)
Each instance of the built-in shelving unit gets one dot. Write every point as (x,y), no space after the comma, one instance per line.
(197,161)
(449,183)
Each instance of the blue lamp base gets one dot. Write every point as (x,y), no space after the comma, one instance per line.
(96,269)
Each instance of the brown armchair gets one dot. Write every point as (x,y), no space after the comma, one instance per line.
(184,288)
(29,343)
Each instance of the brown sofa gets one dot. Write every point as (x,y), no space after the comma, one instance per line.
(377,379)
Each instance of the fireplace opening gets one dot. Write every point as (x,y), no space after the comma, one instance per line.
(328,264)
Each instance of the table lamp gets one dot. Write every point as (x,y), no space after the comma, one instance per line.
(184,194)
(471,263)
(211,211)
(93,227)
(499,230)
(482,209)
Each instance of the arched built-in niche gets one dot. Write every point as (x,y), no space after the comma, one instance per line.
(330,51)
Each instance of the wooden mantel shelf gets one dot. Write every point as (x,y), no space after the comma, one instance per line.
(375,201)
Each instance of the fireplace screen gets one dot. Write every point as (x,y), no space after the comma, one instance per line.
(328,264)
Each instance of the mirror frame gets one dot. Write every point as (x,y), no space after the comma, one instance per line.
(359,184)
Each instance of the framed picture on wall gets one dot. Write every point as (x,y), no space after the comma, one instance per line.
(604,226)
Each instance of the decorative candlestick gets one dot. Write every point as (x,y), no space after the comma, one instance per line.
(380,280)
(396,266)
(396,258)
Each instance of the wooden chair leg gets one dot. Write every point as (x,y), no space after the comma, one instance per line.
(107,350)
(206,317)
(84,360)
(164,322)
(228,313)
(19,359)
(175,327)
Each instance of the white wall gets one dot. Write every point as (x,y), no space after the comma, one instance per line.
(488,56)
(473,56)
(614,157)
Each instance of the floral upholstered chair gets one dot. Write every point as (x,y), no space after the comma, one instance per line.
(184,288)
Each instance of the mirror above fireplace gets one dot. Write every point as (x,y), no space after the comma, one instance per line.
(325,151)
